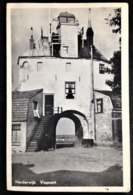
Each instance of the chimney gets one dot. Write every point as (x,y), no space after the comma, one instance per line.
(32,44)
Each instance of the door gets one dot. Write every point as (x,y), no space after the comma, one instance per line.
(49,104)
(117,130)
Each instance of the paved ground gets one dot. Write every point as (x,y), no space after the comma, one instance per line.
(96,159)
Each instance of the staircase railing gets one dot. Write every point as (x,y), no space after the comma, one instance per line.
(57,110)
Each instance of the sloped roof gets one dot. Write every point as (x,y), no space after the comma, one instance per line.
(19,109)
(25,94)
(20,103)
(115,98)
(97,55)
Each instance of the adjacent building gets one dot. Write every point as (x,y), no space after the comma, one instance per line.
(26,113)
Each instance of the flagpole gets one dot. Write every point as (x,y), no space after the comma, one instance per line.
(93,94)
(49,19)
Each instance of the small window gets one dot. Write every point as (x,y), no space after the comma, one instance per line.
(99,105)
(65,49)
(39,66)
(70,90)
(101,69)
(68,67)
(25,65)
(16,133)
(63,19)
(71,19)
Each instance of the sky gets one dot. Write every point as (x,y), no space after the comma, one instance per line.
(23,19)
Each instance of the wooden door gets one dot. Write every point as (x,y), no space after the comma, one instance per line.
(49,104)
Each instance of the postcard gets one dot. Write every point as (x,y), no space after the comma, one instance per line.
(68,97)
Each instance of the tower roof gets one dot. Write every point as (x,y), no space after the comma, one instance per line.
(89,18)
(66,14)
(89,32)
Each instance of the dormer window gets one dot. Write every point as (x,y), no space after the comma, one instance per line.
(70,90)
(101,68)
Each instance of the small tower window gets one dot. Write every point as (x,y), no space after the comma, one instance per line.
(101,68)
(63,19)
(70,90)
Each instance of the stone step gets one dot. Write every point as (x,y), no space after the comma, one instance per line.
(31,148)
(40,129)
(31,143)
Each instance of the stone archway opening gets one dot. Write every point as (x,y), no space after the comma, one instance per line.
(65,132)
(69,128)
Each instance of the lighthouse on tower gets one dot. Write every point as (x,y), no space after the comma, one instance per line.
(68,33)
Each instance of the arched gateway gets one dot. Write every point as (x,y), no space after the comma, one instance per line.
(48,139)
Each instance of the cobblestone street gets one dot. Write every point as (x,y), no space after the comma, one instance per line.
(94,159)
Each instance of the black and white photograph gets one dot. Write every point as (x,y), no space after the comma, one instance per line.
(68,120)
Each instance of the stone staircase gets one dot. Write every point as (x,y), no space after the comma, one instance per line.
(33,145)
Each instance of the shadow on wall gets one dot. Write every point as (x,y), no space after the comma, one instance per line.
(113,176)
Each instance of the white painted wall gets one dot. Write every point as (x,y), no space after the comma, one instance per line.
(52,76)
(22,146)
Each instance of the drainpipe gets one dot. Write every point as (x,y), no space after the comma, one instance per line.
(93,94)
